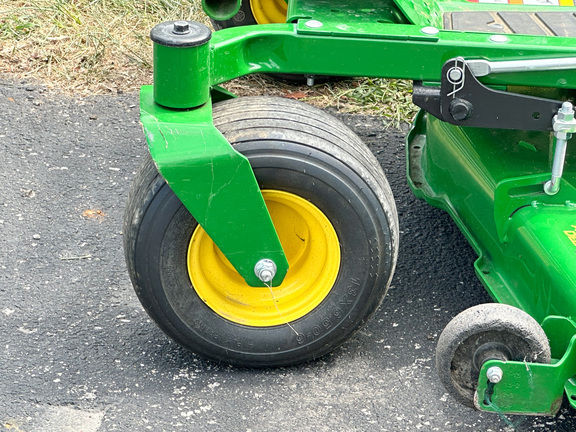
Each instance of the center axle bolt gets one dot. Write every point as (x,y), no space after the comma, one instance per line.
(265,270)
(494,374)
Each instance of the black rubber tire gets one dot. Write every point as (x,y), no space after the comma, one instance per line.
(295,148)
(499,331)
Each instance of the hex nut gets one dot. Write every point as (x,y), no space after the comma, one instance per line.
(494,374)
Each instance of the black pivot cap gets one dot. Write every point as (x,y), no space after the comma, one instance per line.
(180,34)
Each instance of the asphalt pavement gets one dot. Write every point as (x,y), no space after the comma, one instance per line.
(78,352)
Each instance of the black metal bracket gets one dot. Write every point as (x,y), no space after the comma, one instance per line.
(462,100)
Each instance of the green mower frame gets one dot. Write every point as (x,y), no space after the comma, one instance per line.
(491,146)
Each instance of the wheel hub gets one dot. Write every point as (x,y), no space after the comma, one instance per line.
(313,252)
(491,351)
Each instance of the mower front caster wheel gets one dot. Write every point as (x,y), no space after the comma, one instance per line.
(336,219)
(492,331)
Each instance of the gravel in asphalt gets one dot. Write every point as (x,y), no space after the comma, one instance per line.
(79,353)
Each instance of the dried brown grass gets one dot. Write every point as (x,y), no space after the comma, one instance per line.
(87,47)
(388,98)
(81,46)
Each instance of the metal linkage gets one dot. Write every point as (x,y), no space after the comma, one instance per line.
(484,67)
(564,125)
(462,100)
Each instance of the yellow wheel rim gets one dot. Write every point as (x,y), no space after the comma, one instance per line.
(313,252)
(269,11)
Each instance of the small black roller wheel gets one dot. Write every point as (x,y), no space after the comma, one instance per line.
(336,219)
(485,332)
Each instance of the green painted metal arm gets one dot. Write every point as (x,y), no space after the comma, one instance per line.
(534,388)
(214,182)
(185,144)
(378,50)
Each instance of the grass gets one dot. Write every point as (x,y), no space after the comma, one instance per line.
(388,98)
(86,47)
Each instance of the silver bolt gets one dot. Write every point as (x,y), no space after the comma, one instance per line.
(567,107)
(498,39)
(265,270)
(563,125)
(494,374)
(314,24)
(181,27)
(430,31)
(566,112)
(310,80)
(552,186)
